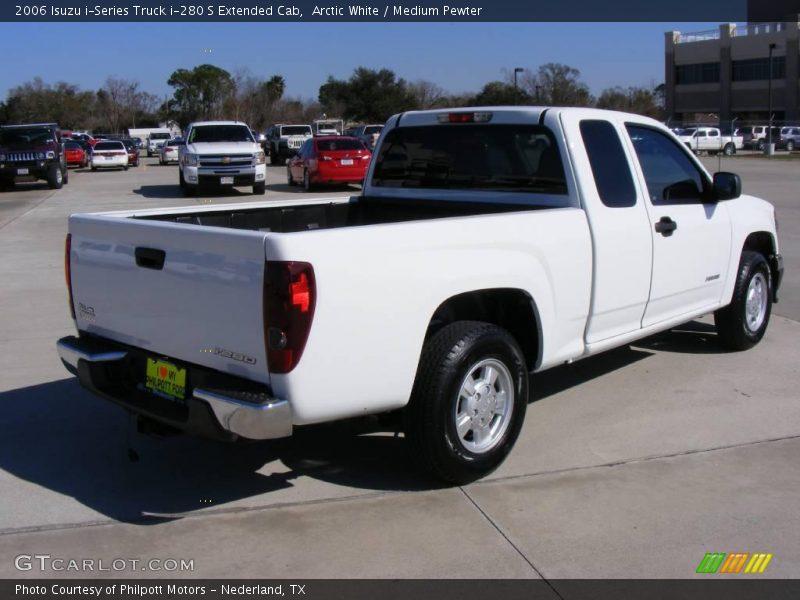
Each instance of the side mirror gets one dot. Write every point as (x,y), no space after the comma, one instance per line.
(727,186)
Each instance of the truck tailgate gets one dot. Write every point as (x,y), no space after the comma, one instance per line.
(188,293)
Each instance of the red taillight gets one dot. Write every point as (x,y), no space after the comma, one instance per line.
(464,117)
(68,272)
(461,118)
(324,157)
(289,300)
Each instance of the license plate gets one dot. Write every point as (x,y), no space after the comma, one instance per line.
(165,379)
(107,158)
(226,180)
(347,161)
(22,171)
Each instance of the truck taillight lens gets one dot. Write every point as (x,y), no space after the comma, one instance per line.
(68,273)
(289,301)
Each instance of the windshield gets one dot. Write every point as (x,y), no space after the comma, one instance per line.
(296,130)
(72,146)
(34,135)
(220,133)
(507,158)
(160,136)
(372,129)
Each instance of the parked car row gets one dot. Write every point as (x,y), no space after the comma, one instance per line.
(753,137)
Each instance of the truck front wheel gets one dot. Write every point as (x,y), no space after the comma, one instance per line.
(55,178)
(468,402)
(742,323)
(260,188)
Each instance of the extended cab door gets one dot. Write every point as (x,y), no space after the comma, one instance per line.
(691,235)
(620,225)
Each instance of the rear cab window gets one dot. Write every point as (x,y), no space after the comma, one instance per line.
(498,157)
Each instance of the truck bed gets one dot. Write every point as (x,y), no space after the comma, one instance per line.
(358,211)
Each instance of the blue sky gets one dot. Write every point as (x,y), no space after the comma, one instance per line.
(459,57)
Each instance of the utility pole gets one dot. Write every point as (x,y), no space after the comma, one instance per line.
(769,101)
(516,89)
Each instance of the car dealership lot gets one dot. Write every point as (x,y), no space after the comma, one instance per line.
(632,463)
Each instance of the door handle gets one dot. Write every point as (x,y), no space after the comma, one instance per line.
(666,226)
(150,258)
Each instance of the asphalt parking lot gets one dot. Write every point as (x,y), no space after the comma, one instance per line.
(631,464)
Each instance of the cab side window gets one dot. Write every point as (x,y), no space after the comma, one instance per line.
(671,176)
(612,175)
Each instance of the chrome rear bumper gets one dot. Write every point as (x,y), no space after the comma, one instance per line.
(254,415)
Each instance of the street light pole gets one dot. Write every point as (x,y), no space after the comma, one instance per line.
(516,89)
(769,101)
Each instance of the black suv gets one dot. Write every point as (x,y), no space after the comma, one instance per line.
(35,151)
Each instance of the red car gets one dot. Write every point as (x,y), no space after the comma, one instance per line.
(75,155)
(331,159)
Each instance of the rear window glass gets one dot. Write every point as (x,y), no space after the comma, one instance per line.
(159,136)
(220,133)
(175,143)
(109,146)
(372,129)
(72,146)
(296,130)
(330,145)
(508,158)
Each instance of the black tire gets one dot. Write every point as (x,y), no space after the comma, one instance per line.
(761,145)
(289,179)
(260,188)
(6,185)
(94,168)
(125,168)
(790,146)
(66,175)
(448,358)
(181,180)
(190,190)
(55,178)
(737,327)
(729,149)
(274,158)
(307,185)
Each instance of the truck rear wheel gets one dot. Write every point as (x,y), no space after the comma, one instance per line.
(742,323)
(729,149)
(468,402)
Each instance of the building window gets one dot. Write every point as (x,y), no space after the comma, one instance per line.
(758,68)
(700,73)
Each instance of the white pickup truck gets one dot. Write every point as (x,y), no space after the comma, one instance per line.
(488,244)
(711,140)
(221,154)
